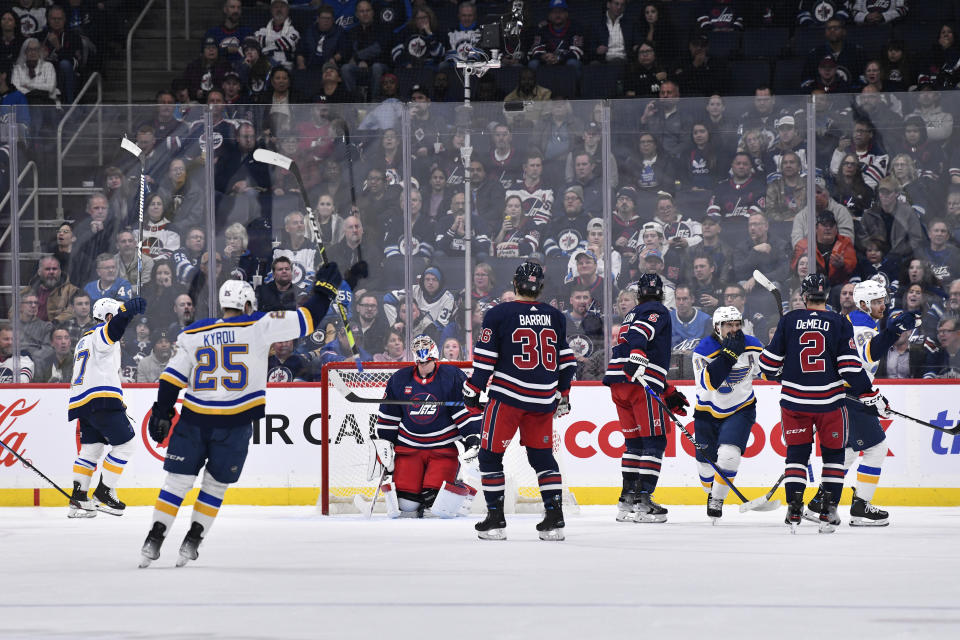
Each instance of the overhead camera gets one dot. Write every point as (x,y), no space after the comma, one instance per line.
(494,35)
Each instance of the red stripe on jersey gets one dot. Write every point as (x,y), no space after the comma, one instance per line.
(829,393)
(544,393)
(486,359)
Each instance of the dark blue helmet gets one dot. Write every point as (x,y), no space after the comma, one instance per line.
(528,279)
(814,288)
(650,286)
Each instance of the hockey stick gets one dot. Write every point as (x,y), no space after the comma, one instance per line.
(273,158)
(347,145)
(763,503)
(28,465)
(350,396)
(130,146)
(764,282)
(683,430)
(953,431)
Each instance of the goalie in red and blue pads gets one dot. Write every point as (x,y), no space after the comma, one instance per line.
(814,357)
(641,358)
(422,437)
(522,359)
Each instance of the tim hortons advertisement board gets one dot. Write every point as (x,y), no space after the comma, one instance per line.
(284,461)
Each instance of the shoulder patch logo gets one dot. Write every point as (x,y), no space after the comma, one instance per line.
(653,317)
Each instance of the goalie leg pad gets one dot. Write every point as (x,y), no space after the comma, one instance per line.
(452,500)
(389,491)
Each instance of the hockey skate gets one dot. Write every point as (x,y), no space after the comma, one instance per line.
(794,514)
(81,506)
(551,528)
(492,527)
(714,509)
(649,511)
(151,546)
(814,507)
(829,519)
(626,507)
(864,514)
(105,499)
(191,542)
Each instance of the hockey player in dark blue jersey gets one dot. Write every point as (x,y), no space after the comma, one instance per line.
(866,433)
(522,352)
(420,439)
(814,356)
(641,358)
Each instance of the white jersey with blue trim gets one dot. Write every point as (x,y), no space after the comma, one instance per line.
(222,363)
(864,330)
(96,374)
(736,390)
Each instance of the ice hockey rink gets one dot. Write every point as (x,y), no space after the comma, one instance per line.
(287,572)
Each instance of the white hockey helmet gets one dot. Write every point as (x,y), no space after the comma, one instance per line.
(104,307)
(725,314)
(868,291)
(235,294)
(425,349)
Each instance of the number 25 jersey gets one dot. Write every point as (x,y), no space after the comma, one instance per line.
(222,363)
(523,345)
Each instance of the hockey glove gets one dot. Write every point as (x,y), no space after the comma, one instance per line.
(328,281)
(471,398)
(385,453)
(134,306)
(733,345)
(675,401)
(635,367)
(471,448)
(356,273)
(563,406)
(901,322)
(160,421)
(876,400)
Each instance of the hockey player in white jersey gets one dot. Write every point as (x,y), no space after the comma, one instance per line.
(96,402)
(222,364)
(866,434)
(724,365)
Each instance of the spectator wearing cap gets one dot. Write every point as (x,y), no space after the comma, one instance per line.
(591,145)
(823,202)
(664,118)
(836,257)
(323,41)
(418,43)
(206,72)
(689,322)
(594,243)
(568,228)
(653,263)
(235,94)
(426,127)
(254,68)
(152,365)
(230,33)
(713,246)
(531,95)
(613,39)
(367,52)
(587,274)
(827,79)
(560,41)
(848,57)
(698,72)
(648,238)
(626,218)
(279,38)
(760,252)
(894,221)
(788,141)
(332,87)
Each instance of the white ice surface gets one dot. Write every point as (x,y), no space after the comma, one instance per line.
(285,572)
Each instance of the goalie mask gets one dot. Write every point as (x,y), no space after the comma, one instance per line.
(104,307)
(235,294)
(425,349)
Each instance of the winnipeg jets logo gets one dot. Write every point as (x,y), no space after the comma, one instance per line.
(424,413)
(417,47)
(823,11)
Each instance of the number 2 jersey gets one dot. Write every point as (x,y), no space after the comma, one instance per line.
(222,363)
(96,374)
(647,327)
(426,426)
(814,356)
(522,351)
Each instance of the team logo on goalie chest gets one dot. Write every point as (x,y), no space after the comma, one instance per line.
(407,390)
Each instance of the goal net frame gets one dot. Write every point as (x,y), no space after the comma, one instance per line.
(344,457)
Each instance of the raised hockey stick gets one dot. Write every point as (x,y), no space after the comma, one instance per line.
(349,150)
(764,282)
(273,158)
(30,466)
(763,503)
(689,437)
(350,396)
(131,147)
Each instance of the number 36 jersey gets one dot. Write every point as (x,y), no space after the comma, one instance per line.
(523,345)
(222,363)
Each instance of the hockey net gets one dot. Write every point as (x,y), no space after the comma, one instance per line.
(348,426)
